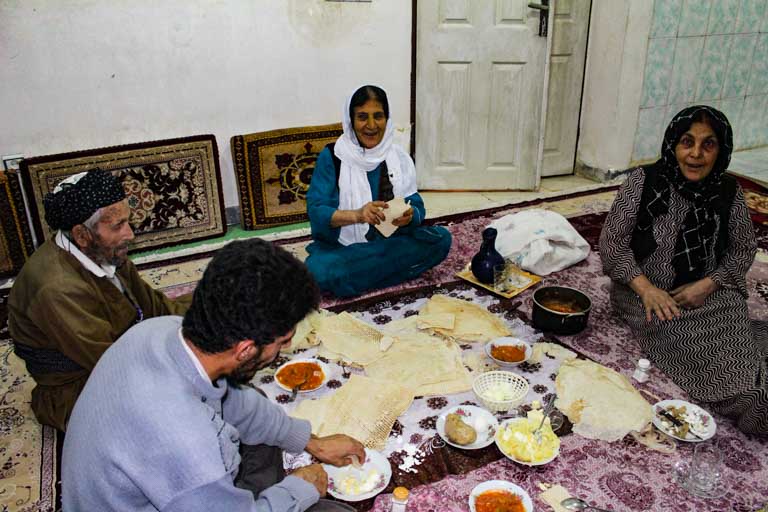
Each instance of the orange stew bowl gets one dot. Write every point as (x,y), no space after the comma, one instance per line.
(308,374)
(499,496)
(499,500)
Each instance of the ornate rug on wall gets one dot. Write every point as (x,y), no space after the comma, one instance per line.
(174,187)
(273,171)
(15,236)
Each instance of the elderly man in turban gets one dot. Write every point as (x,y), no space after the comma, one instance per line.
(78,292)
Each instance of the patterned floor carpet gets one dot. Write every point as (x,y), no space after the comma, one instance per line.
(626,477)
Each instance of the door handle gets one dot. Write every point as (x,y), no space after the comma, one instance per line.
(543,9)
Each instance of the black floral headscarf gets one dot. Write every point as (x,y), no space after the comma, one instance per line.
(75,203)
(696,239)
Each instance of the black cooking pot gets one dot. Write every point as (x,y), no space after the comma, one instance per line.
(548,319)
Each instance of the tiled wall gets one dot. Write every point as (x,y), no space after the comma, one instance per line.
(712,52)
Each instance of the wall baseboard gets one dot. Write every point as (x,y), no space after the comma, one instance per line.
(601,175)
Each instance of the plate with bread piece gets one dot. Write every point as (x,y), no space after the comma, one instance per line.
(467,427)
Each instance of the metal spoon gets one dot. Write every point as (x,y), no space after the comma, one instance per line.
(577,504)
(295,389)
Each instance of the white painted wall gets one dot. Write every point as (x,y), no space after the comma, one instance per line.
(80,74)
(618,40)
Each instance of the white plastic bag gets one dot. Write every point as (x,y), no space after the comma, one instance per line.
(539,241)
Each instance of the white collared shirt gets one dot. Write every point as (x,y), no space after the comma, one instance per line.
(106,270)
(193,357)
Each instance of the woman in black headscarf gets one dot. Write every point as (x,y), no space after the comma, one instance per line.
(677,244)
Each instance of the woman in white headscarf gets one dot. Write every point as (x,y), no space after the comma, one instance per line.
(351,184)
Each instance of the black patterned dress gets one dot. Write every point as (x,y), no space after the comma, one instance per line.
(713,352)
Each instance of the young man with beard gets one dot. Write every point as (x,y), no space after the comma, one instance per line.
(167,420)
(78,292)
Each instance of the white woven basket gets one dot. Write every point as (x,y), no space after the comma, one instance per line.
(517,384)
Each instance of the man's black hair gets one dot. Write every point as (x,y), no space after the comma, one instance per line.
(365,93)
(251,290)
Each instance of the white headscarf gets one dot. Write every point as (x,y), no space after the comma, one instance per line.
(356,162)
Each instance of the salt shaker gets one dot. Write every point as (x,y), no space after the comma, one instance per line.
(399,499)
(641,371)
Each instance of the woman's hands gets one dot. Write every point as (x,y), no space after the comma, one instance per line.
(693,295)
(667,305)
(372,213)
(337,449)
(404,219)
(655,300)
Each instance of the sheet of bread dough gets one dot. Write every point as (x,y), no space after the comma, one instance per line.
(436,320)
(305,332)
(472,322)
(345,337)
(363,408)
(545,348)
(427,364)
(601,403)
(396,208)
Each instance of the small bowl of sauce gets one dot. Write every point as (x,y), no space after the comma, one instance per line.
(508,351)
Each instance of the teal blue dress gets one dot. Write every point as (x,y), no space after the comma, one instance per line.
(353,269)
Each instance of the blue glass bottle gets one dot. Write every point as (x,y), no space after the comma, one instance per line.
(487,257)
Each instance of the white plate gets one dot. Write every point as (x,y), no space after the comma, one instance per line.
(484,423)
(508,340)
(510,457)
(500,484)
(374,461)
(323,366)
(657,420)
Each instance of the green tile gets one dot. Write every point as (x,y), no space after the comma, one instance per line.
(685,70)
(722,16)
(739,65)
(666,15)
(693,18)
(714,62)
(658,70)
(750,16)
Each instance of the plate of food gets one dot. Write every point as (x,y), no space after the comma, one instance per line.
(350,483)
(508,351)
(683,420)
(310,374)
(467,427)
(499,496)
(517,442)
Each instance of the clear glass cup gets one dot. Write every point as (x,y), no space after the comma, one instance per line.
(500,278)
(702,477)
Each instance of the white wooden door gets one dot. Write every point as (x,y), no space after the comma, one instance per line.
(566,75)
(480,90)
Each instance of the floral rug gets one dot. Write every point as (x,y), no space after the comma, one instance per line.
(273,171)
(623,476)
(180,277)
(15,235)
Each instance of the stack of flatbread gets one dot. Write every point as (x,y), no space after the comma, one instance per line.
(427,364)
(344,337)
(363,408)
(601,403)
(460,320)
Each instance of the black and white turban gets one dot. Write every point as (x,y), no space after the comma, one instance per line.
(75,199)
